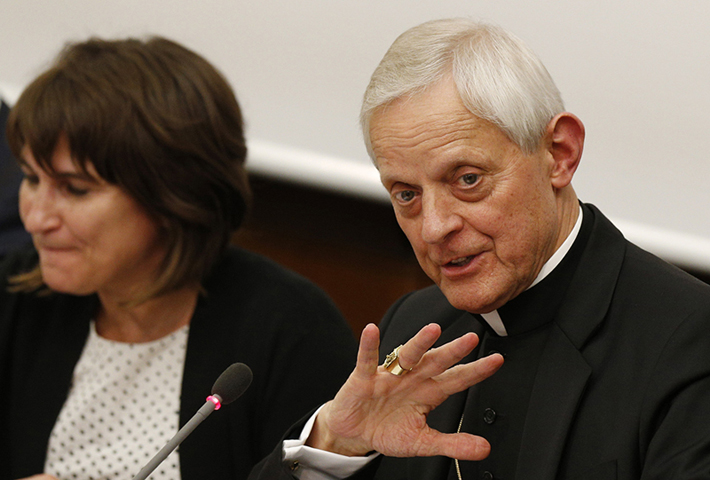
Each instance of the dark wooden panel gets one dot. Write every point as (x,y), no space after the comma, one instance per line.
(352,248)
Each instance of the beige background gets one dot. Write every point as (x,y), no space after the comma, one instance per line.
(637,73)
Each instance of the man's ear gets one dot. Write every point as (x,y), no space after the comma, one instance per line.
(565,141)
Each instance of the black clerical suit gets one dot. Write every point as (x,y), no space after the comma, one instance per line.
(607,372)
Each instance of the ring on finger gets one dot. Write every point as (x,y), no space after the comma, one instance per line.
(392,365)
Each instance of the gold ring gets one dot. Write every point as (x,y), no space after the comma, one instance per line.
(392,363)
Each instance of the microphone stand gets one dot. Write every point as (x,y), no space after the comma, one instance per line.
(214,402)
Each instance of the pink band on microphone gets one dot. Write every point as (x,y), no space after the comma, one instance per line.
(215,400)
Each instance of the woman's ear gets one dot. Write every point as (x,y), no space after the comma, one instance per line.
(565,142)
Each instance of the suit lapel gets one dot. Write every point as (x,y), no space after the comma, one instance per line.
(206,358)
(560,382)
(48,380)
(563,372)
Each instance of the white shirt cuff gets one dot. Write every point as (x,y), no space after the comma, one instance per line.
(310,463)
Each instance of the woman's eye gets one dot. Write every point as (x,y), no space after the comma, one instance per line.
(31,179)
(76,191)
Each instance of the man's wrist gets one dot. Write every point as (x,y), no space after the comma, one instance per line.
(321,438)
(308,463)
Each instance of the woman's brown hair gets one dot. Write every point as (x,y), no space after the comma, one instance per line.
(160,122)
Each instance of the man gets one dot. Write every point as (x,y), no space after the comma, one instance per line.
(604,348)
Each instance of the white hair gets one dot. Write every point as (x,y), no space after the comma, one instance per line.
(498,77)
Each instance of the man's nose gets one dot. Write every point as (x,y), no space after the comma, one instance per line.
(439,220)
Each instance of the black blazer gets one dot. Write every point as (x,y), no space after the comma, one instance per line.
(623,386)
(254,311)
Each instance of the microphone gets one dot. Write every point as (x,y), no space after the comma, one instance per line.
(233,382)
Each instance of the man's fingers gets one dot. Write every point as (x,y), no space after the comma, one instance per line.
(461,377)
(462,446)
(368,351)
(438,360)
(411,352)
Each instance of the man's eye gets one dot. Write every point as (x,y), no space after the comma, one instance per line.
(469,178)
(405,196)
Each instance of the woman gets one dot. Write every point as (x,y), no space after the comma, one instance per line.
(114,327)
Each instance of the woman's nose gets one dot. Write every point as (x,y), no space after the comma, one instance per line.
(38,209)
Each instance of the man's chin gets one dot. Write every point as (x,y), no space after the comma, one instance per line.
(463,299)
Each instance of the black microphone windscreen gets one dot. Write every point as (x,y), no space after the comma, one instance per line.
(233,382)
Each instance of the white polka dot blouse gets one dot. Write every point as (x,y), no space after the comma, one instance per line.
(123,406)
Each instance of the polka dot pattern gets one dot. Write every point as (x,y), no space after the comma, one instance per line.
(123,406)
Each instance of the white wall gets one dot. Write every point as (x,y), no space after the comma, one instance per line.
(637,74)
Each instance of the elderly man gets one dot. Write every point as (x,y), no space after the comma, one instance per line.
(602,350)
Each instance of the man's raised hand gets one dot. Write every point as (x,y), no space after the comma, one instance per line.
(378,411)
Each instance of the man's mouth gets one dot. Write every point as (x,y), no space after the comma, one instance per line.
(459,262)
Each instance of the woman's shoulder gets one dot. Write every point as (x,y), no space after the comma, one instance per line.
(251,292)
(242,269)
(246,278)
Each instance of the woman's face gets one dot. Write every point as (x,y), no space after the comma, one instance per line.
(92,237)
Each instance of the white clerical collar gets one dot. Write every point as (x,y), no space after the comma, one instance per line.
(493,318)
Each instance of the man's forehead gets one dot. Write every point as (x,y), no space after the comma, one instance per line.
(435,111)
(405,127)
(399,133)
